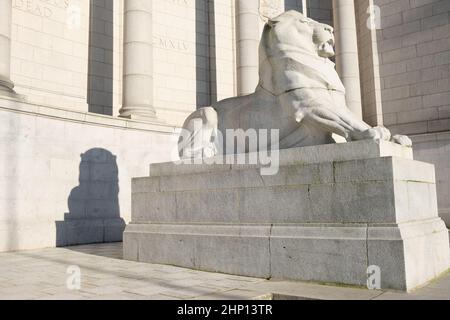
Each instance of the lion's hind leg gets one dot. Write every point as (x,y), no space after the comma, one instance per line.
(198,136)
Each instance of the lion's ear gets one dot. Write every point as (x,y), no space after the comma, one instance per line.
(272,23)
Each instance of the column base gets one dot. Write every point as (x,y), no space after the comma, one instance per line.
(7,90)
(146,114)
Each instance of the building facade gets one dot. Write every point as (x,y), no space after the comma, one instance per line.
(92,92)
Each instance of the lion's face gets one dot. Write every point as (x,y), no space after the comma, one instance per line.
(293,54)
(294,29)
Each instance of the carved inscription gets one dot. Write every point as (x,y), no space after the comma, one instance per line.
(181,2)
(41,8)
(170,44)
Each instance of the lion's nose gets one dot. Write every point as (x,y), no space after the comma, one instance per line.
(329,29)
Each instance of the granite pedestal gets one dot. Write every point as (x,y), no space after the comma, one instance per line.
(330,213)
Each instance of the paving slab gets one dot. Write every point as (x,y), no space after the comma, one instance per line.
(41,275)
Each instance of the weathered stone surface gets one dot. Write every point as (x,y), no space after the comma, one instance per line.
(326,216)
(230,249)
(435,148)
(408,256)
(325,253)
(418,249)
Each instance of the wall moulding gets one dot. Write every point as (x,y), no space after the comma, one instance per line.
(12,105)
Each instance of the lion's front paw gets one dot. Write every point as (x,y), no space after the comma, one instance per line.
(382,133)
(402,140)
(377,133)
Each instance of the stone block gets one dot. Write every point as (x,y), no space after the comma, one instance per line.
(308,155)
(319,253)
(215,248)
(417,249)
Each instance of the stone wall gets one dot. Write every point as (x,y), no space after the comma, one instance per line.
(50,51)
(405,73)
(62,171)
(193,42)
(68,53)
(410,65)
(415,65)
(435,148)
(293,5)
(320,10)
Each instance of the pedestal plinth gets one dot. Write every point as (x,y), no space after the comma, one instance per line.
(330,214)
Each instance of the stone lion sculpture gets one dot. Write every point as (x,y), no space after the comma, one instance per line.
(299,93)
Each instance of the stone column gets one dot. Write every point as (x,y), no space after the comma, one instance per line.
(6,85)
(347,61)
(247,38)
(305,7)
(138,61)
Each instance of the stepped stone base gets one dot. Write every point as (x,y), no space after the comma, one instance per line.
(329,214)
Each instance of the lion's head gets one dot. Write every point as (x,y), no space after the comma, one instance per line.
(294,53)
(292,28)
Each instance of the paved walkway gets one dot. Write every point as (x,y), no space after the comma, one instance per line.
(42,274)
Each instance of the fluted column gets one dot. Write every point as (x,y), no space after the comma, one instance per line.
(347,61)
(6,85)
(247,38)
(138,61)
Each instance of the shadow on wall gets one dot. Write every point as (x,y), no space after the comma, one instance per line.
(94,213)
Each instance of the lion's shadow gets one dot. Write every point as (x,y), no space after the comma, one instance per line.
(94,211)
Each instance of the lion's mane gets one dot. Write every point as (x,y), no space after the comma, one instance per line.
(284,67)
